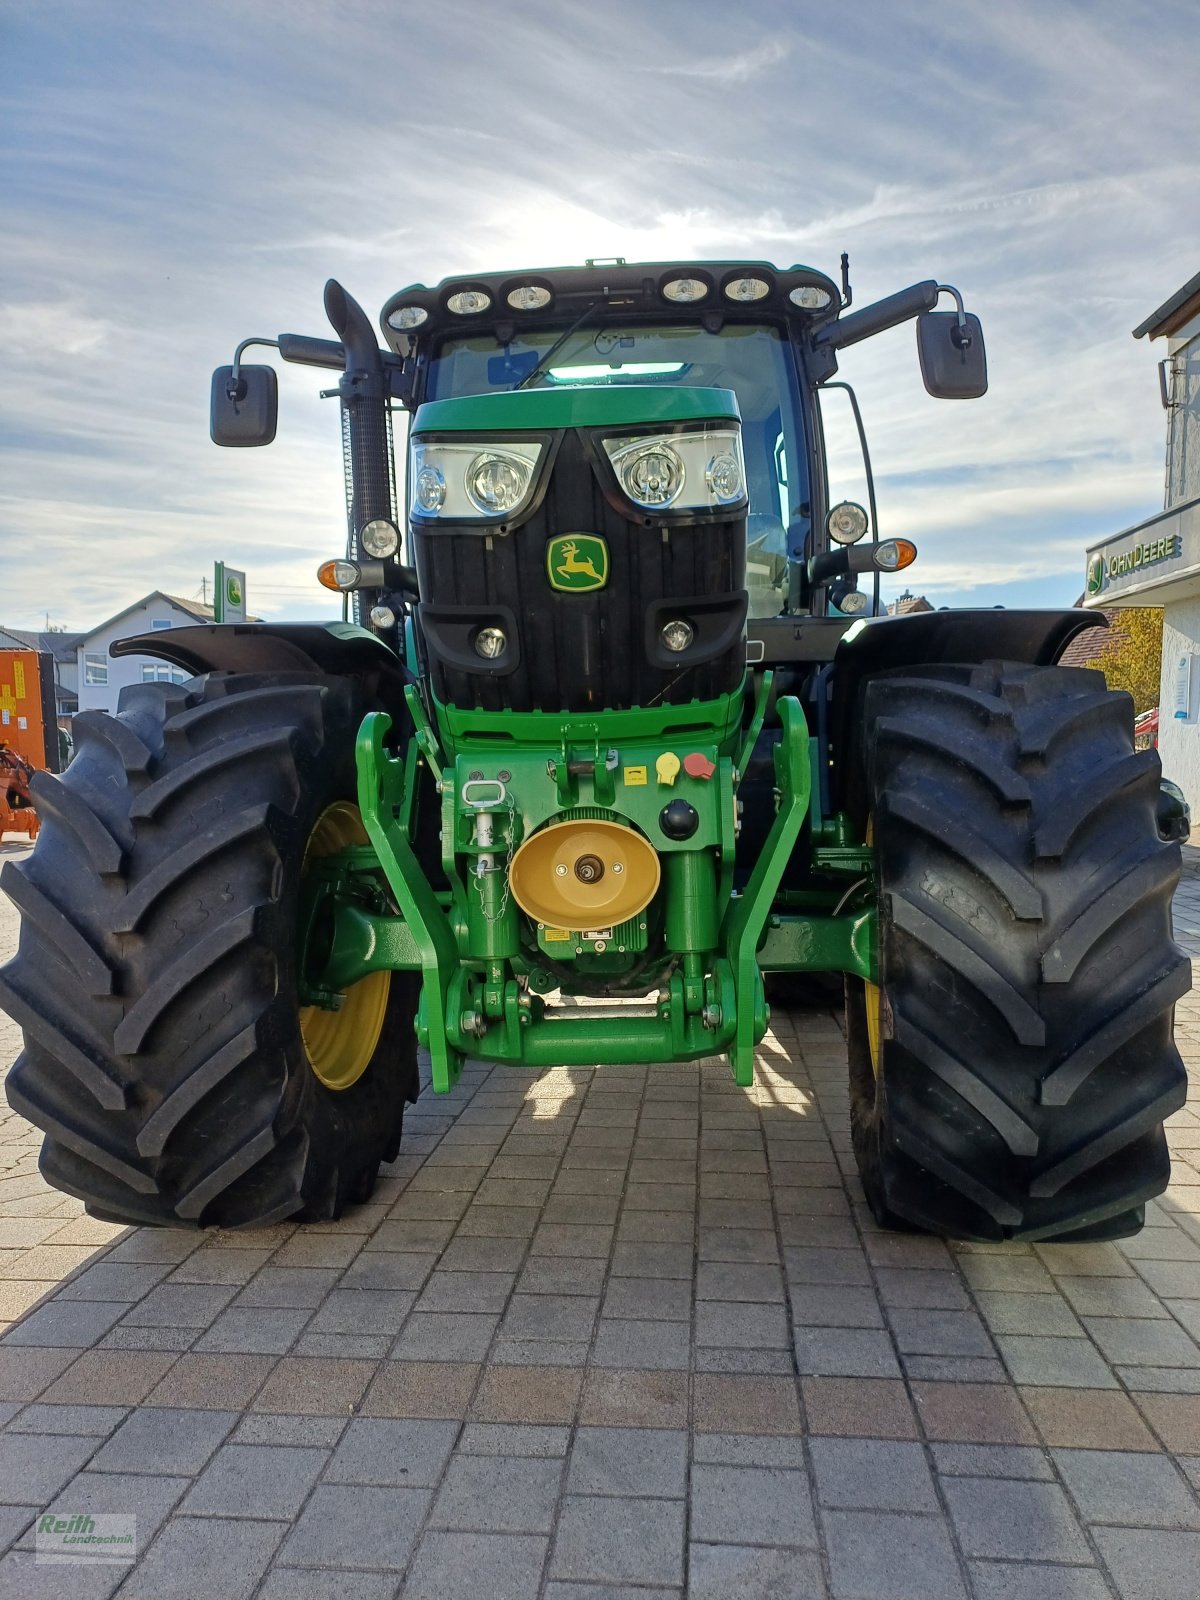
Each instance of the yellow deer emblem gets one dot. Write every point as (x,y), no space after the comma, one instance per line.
(577,563)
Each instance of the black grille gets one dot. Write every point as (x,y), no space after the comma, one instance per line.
(582,652)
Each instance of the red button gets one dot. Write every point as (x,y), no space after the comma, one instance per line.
(698,766)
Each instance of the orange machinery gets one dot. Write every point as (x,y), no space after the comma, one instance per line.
(28,735)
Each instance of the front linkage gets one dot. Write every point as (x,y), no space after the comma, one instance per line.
(706,945)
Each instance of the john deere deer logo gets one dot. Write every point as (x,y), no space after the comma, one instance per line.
(577,562)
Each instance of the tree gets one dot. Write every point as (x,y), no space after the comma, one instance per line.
(1130,654)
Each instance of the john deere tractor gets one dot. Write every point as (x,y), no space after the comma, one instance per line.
(613,738)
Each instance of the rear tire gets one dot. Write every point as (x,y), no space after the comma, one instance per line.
(1028,974)
(156,974)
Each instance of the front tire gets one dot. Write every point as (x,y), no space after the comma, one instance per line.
(156,983)
(1023,1062)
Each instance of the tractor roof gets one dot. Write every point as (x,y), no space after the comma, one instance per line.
(636,289)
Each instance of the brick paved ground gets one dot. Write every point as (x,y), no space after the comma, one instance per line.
(603,1336)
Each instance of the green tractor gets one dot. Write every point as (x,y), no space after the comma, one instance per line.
(614,740)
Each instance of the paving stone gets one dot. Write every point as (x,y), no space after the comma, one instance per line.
(1031,1313)
(263,1428)
(448,1567)
(845,1352)
(858,1408)
(95,1421)
(356,1526)
(879,1555)
(211,1382)
(558,1275)
(918,1288)
(999,1518)
(527,1394)
(381,1451)
(1139,1491)
(445,1336)
(513,1439)
(466,1291)
(255,1330)
(181,1305)
(941,1333)
(306,1583)
(1141,1341)
(111,1281)
(717,1571)
(388,1270)
(192,1556)
(836,1306)
(972,1413)
(498,1494)
(123,1337)
(645,1345)
(1175,1418)
(650,1299)
(306,1384)
(739,1281)
(549,1316)
(260,1481)
(625,1399)
(752,1505)
(1063,1363)
(483,1255)
(741,1325)
(992,1461)
(1151,1565)
(739,1404)
(1088,1418)
(872,1475)
(211,1264)
(25,1578)
(1111,1297)
(66,1323)
(1084,1260)
(34,1467)
(167,1439)
(1014,1274)
(1008,1580)
(629,1461)
(122,1377)
(652,1261)
(621,1541)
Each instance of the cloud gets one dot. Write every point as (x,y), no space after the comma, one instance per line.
(177,178)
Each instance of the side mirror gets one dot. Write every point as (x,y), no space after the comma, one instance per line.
(953,360)
(244,411)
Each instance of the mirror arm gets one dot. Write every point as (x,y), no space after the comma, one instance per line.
(883,314)
(235,389)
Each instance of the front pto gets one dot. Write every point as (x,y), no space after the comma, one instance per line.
(557,837)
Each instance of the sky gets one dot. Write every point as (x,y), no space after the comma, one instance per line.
(175,178)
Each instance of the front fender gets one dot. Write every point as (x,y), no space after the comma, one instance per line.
(338,649)
(929,638)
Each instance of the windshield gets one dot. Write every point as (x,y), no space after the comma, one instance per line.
(756,362)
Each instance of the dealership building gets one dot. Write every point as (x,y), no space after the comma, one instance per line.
(1157,563)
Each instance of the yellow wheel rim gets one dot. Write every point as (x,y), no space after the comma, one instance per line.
(340,1044)
(872,993)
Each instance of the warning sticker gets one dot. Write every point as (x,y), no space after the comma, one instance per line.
(551,934)
(632,776)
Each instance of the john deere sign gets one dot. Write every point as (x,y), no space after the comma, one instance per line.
(1148,554)
(1160,553)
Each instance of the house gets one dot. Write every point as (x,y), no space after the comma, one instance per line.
(101,677)
(1157,562)
(908,603)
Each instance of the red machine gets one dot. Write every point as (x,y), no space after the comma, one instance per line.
(28,735)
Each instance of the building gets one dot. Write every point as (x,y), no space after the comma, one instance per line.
(1157,562)
(101,677)
(907,604)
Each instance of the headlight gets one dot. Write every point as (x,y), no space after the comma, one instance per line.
(468,481)
(701,470)
(846,523)
(406,317)
(469,302)
(380,539)
(810,297)
(746,290)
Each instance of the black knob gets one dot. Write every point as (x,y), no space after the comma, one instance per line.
(678,819)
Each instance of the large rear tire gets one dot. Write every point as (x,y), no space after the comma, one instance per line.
(156,978)
(1010,1075)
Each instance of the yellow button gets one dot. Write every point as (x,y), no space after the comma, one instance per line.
(633,776)
(667,767)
